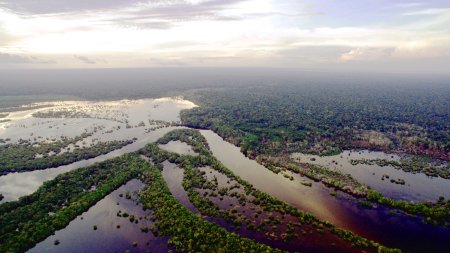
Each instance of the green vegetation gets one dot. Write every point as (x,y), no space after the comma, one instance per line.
(324,120)
(194,180)
(331,178)
(61,114)
(188,232)
(413,165)
(33,218)
(364,203)
(190,137)
(435,213)
(25,155)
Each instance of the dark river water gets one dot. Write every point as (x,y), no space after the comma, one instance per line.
(409,234)
(79,235)
(398,230)
(418,187)
(173,176)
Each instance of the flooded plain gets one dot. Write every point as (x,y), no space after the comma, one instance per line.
(393,230)
(173,176)
(178,147)
(148,120)
(417,187)
(113,233)
(145,121)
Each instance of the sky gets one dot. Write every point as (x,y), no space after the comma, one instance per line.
(374,35)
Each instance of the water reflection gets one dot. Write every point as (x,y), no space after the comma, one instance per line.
(118,120)
(113,233)
(15,185)
(173,176)
(418,187)
(393,230)
(178,147)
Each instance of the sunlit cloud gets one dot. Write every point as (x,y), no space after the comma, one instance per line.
(216,33)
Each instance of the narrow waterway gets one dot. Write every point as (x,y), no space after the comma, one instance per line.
(113,233)
(178,147)
(394,230)
(417,187)
(15,185)
(173,176)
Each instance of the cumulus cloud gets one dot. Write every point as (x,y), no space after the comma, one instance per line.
(140,33)
(58,6)
(311,53)
(428,11)
(85,59)
(410,5)
(367,54)
(9,58)
(13,59)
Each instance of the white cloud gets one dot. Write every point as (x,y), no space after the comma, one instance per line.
(85,59)
(367,54)
(216,32)
(7,59)
(431,11)
(410,5)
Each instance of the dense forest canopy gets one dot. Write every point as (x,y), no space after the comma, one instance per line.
(303,116)
(156,82)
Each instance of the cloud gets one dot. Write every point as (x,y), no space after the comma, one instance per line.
(85,59)
(140,33)
(367,54)
(168,62)
(58,6)
(177,11)
(14,59)
(173,10)
(428,12)
(7,59)
(410,5)
(313,53)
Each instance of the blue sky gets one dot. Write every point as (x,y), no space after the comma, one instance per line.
(390,36)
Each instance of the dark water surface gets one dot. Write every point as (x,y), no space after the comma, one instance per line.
(397,230)
(79,235)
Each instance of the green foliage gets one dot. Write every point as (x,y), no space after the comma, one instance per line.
(331,178)
(33,218)
(22,157)
(188,232)
(193,180)
(436,213)
(413,165)
(189,136)
(324,119)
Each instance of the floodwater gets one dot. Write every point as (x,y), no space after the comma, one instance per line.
(418,187)
(315,199)
(15,185)
(178,147)
(173,175)
(377,224)
(107,121)
(80,236)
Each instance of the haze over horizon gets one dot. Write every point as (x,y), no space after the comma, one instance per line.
(383,36)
